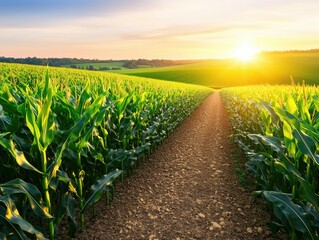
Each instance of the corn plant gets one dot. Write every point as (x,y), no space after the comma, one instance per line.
(66,136)
(280,137)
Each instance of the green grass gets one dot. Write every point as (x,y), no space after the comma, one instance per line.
(271,69)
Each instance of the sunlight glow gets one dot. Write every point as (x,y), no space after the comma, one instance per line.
(246,52)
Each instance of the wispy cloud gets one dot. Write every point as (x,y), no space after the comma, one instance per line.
(153,29)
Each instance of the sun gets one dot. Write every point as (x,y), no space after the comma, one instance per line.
(246,52)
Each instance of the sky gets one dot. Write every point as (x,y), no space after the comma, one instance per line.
(154,29)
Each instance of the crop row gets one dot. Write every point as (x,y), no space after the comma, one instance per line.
(66,135)
(278,128)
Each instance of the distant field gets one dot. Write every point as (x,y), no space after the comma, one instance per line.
(271,68)
(98,65)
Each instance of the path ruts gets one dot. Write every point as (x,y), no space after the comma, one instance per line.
(188,189)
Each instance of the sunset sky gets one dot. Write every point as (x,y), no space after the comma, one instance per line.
(170,29)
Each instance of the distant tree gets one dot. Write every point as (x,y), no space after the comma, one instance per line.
(104,68)
(91,68)
(73,66)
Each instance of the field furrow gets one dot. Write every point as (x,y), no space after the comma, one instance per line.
(187,189)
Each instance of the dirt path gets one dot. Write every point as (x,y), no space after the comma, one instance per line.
(188,189)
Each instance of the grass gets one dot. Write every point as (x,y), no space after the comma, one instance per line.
(265,69)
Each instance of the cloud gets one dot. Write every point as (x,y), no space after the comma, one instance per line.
(141,28)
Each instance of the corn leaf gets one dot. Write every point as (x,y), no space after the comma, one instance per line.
(99,187)
(271,141)
(30,191)
(307,191)
(32,125)
(67,206)
(18,155)
(306,145)
(45,121)
(14,217)
(10,229)
(288,117)
(292,215)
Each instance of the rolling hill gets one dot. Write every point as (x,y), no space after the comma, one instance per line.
(271,68)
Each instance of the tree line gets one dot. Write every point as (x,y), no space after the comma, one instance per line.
(55,62)
(316,50)
(58,62)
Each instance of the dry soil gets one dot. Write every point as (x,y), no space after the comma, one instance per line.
(187,189)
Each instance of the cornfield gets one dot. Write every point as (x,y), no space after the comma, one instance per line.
(67,135)
(278,129)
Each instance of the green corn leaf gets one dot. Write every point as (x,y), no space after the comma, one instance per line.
(5,120)
(63,176)
(67,206)
(289,166)
(141,101)
(47,87)
(70,204)
(86,117)
(10,107)
(121,106)
(21,160)
(2,235)
(258,167)
(73,114)
(271,141)
(101,115)
(77,128)
(306,145)
(270,109)
(45,120)
(290,214)
(14,217)
(291,105)
(288,117)
(99,187)
(292,148)
(2,135)
(74,134)
(34,129)
(10,229)
(30,191)
(56,163)
(309,129)
(21,109)
(315,215)
(18,155)
(83,141)
(85,97)
(287,131)
(280,167)
(307,192)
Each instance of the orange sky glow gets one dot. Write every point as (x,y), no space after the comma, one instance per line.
(188,29)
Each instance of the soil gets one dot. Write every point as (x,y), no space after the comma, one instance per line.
(187,189)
